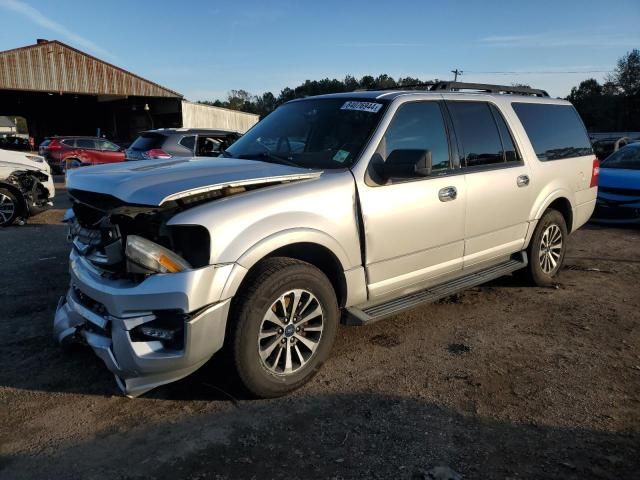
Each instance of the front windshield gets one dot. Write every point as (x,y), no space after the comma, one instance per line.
(315,133)
(627,158)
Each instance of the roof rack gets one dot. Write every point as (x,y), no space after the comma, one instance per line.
(478,87)
(483,87)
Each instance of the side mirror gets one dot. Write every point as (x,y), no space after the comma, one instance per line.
(406,164)
(424,165)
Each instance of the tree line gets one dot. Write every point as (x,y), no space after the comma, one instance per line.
(611,106)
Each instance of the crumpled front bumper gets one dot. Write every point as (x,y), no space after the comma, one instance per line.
(116,307)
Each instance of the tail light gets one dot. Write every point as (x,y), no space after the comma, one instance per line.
(595,173)
(54,145)
(156,153)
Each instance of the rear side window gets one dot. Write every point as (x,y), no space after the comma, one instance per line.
(147,142)
(478,133)
(69,142)
(188,142)
(510,151)
(555,131)
(85,143)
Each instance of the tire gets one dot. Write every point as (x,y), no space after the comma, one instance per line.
(9,207)
(267,298)
(72,162)
(547,249)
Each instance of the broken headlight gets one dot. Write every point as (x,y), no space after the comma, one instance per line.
(144,256)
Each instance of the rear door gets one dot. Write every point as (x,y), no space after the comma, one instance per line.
(85,151)
(499,195)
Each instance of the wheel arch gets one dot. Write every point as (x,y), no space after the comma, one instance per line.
(318,249)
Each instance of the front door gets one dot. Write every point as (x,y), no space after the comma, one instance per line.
(413,224)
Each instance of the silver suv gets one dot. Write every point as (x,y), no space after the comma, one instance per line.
(338,208)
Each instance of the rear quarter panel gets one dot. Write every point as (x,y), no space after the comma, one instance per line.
(568,178)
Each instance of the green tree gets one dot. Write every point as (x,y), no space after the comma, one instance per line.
(626,76)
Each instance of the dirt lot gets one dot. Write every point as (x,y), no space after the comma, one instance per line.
(503,381)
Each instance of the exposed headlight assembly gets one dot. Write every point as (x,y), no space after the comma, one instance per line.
(144,256)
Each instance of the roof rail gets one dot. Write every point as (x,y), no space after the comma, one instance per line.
(457,86)
(483,87)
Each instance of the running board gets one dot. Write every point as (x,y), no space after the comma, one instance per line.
(365,316)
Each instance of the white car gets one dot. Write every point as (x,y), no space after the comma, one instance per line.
(26,186)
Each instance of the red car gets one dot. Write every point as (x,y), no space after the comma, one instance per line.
(73,152)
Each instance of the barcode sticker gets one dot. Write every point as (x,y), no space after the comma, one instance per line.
(370,107)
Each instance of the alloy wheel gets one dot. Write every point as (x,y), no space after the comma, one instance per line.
(7,208)
(550,248)
(290,332)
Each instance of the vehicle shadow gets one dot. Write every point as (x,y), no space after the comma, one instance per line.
(360,435)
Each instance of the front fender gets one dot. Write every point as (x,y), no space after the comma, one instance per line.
(282,239)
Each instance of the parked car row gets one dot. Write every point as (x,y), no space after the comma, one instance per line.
(62,152)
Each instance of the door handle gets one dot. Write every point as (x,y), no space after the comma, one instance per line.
(523,180)
(447,194)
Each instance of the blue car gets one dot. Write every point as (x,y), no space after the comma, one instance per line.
(619,187)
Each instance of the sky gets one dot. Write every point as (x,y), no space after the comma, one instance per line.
(204,49)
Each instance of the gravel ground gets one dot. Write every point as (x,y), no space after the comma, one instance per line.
(502,381)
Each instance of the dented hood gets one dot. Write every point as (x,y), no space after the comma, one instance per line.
(154,182)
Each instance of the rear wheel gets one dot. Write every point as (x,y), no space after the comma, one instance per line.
(285,323)
(69,164)
(547,248)
(9,207)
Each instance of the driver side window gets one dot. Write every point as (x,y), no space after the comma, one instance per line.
(416,128)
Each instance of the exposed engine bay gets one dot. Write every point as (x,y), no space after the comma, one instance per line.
(101,224)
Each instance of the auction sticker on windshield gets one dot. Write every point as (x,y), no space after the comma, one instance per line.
(371,107)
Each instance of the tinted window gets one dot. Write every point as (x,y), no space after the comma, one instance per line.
(69,142)
(477,132)
(85,143)
(417,127)
(627,158)
(147,141)
(107,146)
(188,142)
(555,131)
(508,147)
(208,146)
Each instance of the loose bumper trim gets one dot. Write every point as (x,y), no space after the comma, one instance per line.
(116,308)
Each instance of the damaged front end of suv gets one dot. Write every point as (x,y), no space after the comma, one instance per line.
(144,293)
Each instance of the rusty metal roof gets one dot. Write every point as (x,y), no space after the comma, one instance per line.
(52,66)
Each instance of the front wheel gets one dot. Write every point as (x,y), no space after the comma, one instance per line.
(284,325)
(547,248)
(9,208)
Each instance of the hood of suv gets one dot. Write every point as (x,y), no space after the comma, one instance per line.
(154,182)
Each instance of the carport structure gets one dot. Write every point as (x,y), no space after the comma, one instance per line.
(63,91)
